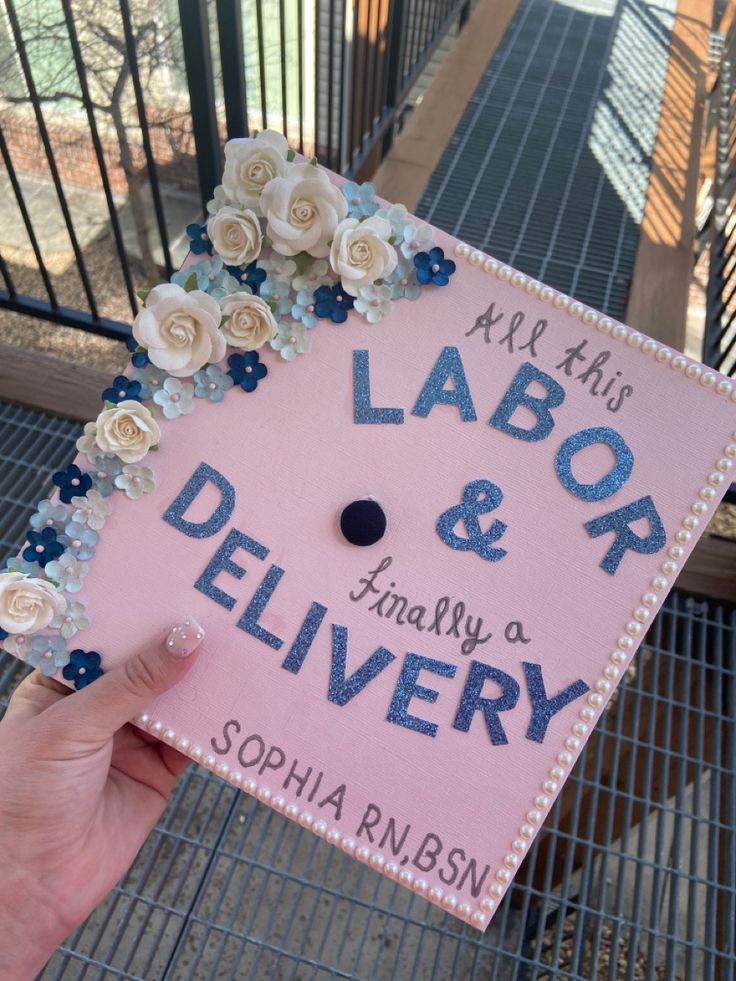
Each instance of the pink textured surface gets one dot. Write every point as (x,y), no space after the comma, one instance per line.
(296,459)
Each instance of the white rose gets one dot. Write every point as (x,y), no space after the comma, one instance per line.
(236,235)
(128,430)
(251,322)
(28,605)
(361,252)
(180,330)
(251,163)
(303,211)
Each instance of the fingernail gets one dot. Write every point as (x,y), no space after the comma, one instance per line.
(184,638)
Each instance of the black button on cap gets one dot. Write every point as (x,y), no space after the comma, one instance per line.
(363,522)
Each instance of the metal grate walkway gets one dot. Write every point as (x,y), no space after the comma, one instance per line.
(549,165)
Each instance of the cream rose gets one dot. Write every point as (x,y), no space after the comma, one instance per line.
(251,163)
(302,210)
(251,323)
(128,430)
(361,252)
(28,605)
(235,235)
(180,330)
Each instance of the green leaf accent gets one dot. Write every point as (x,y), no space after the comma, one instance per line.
(142,295)
(153,449)
(392,240)
(303,261)
(110,405)
(191,283)
(314,162)
(267,244)
(290,155)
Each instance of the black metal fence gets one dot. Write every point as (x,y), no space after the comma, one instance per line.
(132,100)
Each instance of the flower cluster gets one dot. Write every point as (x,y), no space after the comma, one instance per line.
(283,247)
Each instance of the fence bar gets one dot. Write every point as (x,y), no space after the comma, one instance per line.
(26,220)
(43,133)
(300,30)
(158,209)
(198,62)
(282,47)
(261,63)
(31,306)
(97,145)
(397,36)
(232,57)
(5,272)
(331,86)
(316,80)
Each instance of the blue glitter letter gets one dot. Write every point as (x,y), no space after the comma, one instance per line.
(449,365)
(363,411)
(517,395)
(607,485)
(221,562)
(341,689)
(544,708)
(618,522)
(249,620)
(407,688)
(471,700)
(219,517)
(300,648)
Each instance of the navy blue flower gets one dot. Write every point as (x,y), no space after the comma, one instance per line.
(252,275)
(140,358)
(43,547)
(247,370)
(200,242)
(83,668)
(122,388)
(3,634)
(432,267)
(332,303)
(72,483)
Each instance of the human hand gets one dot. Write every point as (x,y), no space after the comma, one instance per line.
(80,790)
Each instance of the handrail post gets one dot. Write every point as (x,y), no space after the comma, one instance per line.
(398,15)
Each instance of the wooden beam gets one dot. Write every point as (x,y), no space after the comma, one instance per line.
(53,384)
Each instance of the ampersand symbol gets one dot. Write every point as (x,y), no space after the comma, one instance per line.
(479,497)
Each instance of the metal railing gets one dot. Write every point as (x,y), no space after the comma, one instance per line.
(144,94)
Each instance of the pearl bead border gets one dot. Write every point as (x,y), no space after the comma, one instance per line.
(599,695)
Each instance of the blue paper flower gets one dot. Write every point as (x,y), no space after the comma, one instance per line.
(277,294)
(332,303)
(72,483)
(212,383)
(212,277)
(361,199)
(432,267)
(199,240)
(140,358)
(71,621)
(122,388)
(80,540)
(91,510)
(83,668)
(252,276)
(415,238)
(247,370)
(26,568)
(150,379)
(304,309)
(135,481)
(49,515)
(3,634)
(104,476)
(291,340)
(43,547)
(48,653)
(373,302)
(403,281)
(68,572)
(175,398)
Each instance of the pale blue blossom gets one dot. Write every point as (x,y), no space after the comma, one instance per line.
(48,654)
(403,281)
(17,644)
(71,621)
(315,275)
(277,294)
(49,515)
(92,509)
(291,340)
(68,572)
(278,267)
(87,445)
(398,217)
(175,398)
(135,481)
(361,199)
(17,564)
(211,275)
(303,309)
(212,383)
(105,474)
(415,238)
(373,302)
(151,378)
(80,540)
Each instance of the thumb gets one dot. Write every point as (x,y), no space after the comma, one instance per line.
(103,707)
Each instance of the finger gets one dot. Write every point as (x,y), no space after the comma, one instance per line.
(97,711)
(34,695)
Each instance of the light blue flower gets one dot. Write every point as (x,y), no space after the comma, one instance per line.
(278,267)
(398,217)
(277,294)
(17,564)
(17,644)
(315,275)
(212,383)
(175,398)
(49,515)
(291,340)
(403,281)
(373,302)
(104,476)
(68,572)
(135,481)
(71,621)
(151,379)
(303,309)
(415,238)
(211,275)
(79,541)
(361,199)
(48,653)
(91,510)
